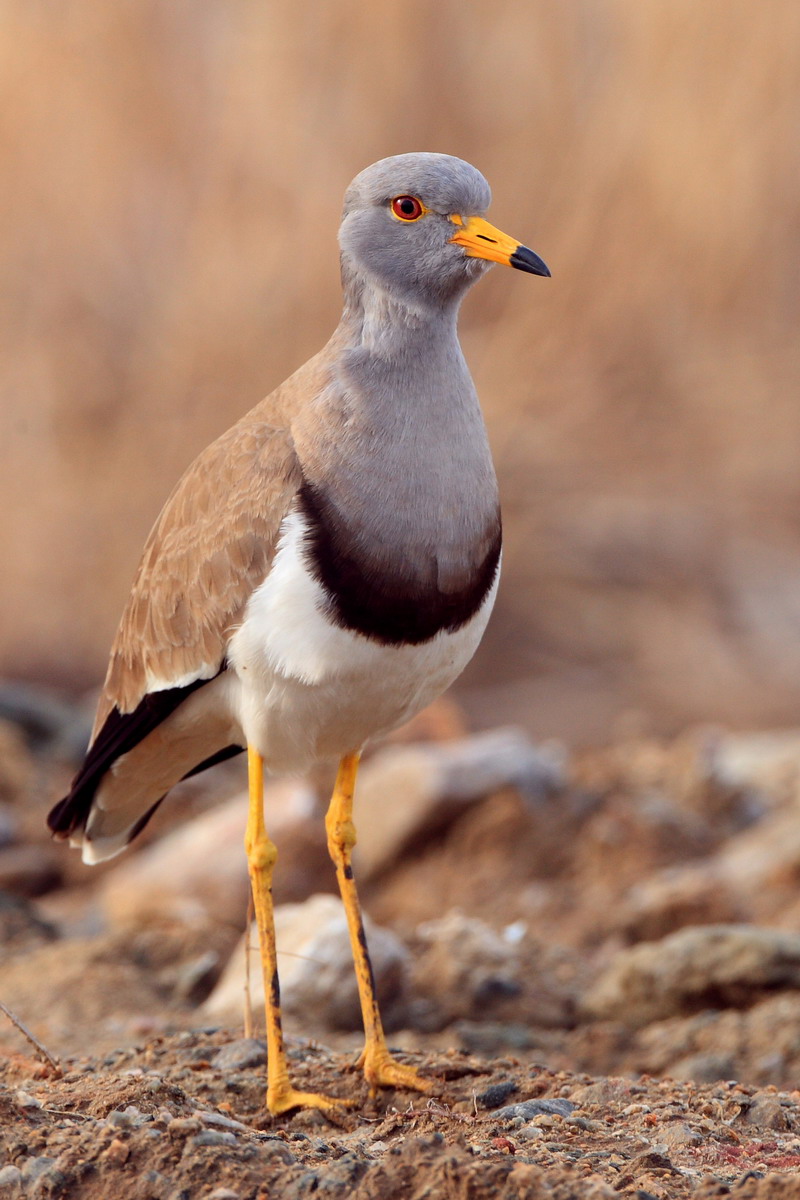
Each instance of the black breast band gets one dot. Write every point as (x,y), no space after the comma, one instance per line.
(383,602)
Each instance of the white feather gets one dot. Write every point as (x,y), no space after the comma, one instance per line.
(311,689)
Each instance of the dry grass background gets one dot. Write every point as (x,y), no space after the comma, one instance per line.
(172,177)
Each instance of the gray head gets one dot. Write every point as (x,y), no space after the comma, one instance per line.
(413,226)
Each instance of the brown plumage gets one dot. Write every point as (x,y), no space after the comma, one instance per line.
(211,546)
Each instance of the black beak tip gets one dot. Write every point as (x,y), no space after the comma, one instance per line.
(525,260)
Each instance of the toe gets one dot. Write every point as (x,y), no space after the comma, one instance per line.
(288,1098)
(381,1070)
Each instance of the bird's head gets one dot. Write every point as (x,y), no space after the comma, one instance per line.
(413,225)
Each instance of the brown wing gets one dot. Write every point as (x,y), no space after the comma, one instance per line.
(210,547)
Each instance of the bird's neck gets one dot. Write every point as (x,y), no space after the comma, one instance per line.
(385,325)
(400,395)
(399,495)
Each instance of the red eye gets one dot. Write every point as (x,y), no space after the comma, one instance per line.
(407,208)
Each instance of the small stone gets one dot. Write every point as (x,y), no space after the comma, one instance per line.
(529,1133)
(766,1111)
(583,1123)
(24,1100)
(50,1183)
(651,1160)
(241,1055)
(32,1168)
(212,1118)
(213,1137)
(154,1185)
(494,1095)
(677,1133)
(180,1126)
(223,1193)
(117,1153)
(276,1150)
(127,1119)
(10,1180)
(528,1109)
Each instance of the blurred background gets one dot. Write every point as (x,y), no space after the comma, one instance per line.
(172,183)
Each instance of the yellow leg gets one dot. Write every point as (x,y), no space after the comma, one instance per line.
(261,855)
(380,1069)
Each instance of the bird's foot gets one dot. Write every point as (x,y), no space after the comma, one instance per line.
(382,1070)
(280,1100)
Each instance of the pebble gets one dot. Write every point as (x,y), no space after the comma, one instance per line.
(765,1110)
(529,1133)
(527,1109)
(277,1150)
(496,1094)
(213,1118)
(183,1125)
(212,1137)
(24,1100)
(223,1193)
(154,1185)
(649,1160)
(677,1133)
(10,1178)
(128,1118)
(32,1168)
(241,1055)
(117,1153)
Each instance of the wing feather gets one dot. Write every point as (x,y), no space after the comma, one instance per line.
(210,547)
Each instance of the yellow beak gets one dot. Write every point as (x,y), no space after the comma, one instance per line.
(482,240)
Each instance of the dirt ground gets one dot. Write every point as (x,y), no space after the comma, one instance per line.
(170,1118)
(602,982)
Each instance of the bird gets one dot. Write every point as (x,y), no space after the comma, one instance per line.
(323,570)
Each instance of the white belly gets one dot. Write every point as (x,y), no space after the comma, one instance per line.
(309,689)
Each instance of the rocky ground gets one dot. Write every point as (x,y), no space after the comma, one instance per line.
(594,958)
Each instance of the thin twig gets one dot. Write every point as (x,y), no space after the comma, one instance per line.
(34,1041)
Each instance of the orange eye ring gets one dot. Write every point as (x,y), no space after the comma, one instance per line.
(408,208)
